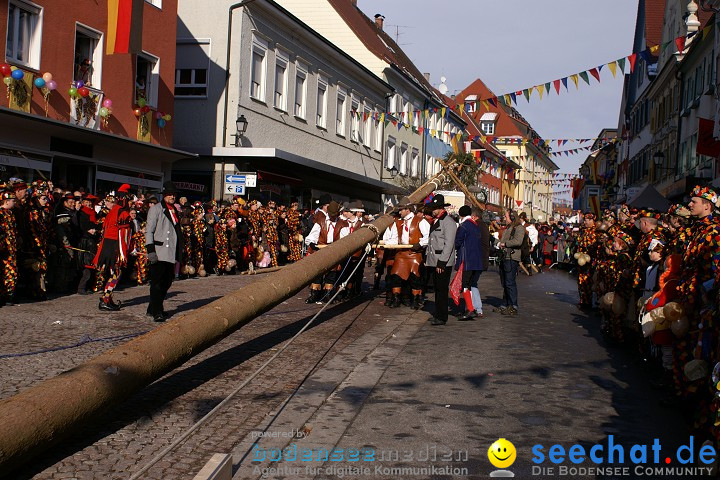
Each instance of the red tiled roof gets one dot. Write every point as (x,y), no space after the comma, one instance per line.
(376,40)
(506,126)
(654,16)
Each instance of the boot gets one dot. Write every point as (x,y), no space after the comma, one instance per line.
(389,299)
(396,301)
(340,297)
(108,306)
(376,283)
(418,302)
(314,296)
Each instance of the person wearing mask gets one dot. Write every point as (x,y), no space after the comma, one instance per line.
(472,243)
(441,256)
(8,247)
(67,233)
(163,243)
(510,243)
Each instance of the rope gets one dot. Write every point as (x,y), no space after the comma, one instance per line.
(226,400)
(83,340)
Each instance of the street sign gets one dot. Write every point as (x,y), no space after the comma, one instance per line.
(234,189)
(235,179)
(247,179)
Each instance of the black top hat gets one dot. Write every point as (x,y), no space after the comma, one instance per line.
(169,188)
(325,199)
(438,201)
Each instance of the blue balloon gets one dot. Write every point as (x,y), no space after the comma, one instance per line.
(161,122)
(39,82)
(80,84)
(18,74)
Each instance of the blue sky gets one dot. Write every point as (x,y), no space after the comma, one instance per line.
(515,44)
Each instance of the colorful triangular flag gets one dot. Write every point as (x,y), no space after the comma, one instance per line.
(621,64)
(584,76)
(574,78)
(595,73)
(613,68)
(556,83)
(632,59)
(680,43)
(564,82)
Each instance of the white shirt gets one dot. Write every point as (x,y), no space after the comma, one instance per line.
(403,237)
(314,234)
(351,227)
(532,234)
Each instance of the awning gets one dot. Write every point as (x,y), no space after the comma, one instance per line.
(76,133)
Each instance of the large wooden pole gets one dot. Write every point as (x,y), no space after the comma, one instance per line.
(461,185)
(40,416)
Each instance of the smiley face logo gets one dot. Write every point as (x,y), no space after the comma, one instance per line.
(502,453)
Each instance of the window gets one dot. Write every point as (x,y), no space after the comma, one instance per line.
(367,118)
(699,79)
(354,121)
(416,116)
(378,131)
(23,33)
(393,104)
(488,128)
(390,154)
(88,56)
(470,102)
(300,90)
(281,79)
(191,68)
(692,152)
(682,165)
(415,163)
(403,168)
(341,111)
(258,69)
(147,78)
(407,112)
(157,3)
(322,102)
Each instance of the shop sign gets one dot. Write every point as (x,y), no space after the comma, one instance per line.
(192,187)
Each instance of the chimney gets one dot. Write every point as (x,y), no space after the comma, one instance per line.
(427,77)
(379,19)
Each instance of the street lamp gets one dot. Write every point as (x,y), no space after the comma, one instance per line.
(393,171)
(585,171)
(240,128)
(659,160)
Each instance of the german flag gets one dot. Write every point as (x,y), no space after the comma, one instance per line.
(124,30)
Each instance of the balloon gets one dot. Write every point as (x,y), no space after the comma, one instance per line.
(577,255)
(103,112)
(673,311)
(137,112)
(190,270)
(73,92)
(107,103)
(80,84)
(141,102)
(202,272)
(145,109)
(51,85)
(158,115)
(109,111)
(680,327)
(167,118)
(7,81)
(18,74)
(5,70)
(47,76)
(582,261)
(83,91)
(161,123)
(39,82)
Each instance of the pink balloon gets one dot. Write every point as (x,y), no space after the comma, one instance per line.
(51,85)
(107,103)
(158,115)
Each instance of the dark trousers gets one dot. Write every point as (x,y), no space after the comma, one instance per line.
(442,290)
(508,276)
(161,277)
(470,278)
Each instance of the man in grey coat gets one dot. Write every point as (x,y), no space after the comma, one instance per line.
(162,237)
(441,256)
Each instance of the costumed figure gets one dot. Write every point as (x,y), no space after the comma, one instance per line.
(413,230)
(697,350)
(87,247)
(39,222)
(112,252)
(139,250)
(323,233)
(221,246)
(8,247)
(270,232)
(67,235)
(198,238)
(588,245)
(620,284)
(353,286)
(295,236)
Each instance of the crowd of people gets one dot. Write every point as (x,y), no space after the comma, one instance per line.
(54,240)
(654,277)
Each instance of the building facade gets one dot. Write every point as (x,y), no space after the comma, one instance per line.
(313,112)
(62,46)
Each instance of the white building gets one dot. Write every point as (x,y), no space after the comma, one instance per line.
(313,112)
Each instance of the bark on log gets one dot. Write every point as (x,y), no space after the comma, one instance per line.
(36,418)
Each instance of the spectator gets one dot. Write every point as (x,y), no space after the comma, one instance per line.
(472,243)
(440,254)
(510,243)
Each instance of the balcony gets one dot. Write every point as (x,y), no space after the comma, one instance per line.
(84,111)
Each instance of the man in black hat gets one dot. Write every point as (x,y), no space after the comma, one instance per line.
(441,256)
(162,239)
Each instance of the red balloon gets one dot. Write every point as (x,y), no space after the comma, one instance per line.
(137,112)
(83,92)
(145,109)
(5,70)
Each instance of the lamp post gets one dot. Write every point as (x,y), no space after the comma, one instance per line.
(659,161)
(240,128)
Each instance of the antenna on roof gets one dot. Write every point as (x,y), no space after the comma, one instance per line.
(443,88)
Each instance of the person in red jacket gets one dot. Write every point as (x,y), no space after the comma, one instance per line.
(113,248)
